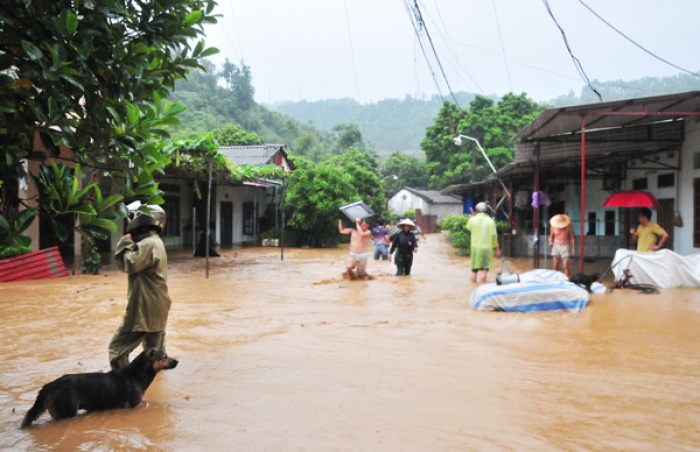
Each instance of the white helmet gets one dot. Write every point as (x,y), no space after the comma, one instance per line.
(481,207)
(155,217)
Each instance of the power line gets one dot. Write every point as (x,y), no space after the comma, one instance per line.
(513,60)
(459,68)
(577,63)
(635,43)
(235,29)
(354,66)
(503,48)
(418,25)
(416,28)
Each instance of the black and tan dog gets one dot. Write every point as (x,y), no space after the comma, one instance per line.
(123,388)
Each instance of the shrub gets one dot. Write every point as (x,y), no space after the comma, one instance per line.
(458,234)
(12,251)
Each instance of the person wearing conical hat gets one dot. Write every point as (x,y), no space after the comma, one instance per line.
(405,244)
(560,237)
(483,242)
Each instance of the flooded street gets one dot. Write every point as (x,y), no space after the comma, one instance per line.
(286,355)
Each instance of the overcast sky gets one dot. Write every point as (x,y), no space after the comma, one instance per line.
(368,50)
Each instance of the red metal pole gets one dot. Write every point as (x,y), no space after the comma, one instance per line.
(510,216)
(583,192)
(536,211)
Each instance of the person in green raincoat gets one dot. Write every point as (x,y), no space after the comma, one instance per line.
(141,254)
(484,242)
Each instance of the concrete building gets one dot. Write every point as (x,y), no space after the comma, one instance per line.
(579,155)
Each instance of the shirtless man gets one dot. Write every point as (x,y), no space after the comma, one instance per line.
(560,237)
(359,236)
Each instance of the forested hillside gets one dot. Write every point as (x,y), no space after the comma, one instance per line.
(323,128)
(388,125)
(393,124)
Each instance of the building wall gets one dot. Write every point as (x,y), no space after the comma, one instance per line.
(239,195)
(402,201)
(683,240)
(405,200)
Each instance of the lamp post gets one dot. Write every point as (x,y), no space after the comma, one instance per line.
(458,142)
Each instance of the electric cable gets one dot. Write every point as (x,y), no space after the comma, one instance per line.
(635,43)
(503,48)
(577,63)
(354,67)
(416,29)
(457,66)
(419,25)
(432,46)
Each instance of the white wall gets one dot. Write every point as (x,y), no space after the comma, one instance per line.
(683,240)
(405,200)
(401,202)
(238,195)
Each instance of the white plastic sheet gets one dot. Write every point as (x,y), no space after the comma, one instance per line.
(663,268)
(540,290)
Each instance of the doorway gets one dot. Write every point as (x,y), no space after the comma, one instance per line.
(664,217)
(226,223)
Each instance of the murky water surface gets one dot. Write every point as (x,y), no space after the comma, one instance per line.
(286,355)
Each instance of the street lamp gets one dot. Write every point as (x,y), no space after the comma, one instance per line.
(458,142)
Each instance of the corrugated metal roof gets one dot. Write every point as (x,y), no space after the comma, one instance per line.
(434,196)
(615,131)
(42,264)
(259,155)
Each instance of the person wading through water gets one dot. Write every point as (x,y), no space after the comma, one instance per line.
(141,254)
(484,243)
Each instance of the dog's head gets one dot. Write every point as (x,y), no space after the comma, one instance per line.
(159,360)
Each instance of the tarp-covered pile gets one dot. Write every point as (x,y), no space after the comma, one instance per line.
(538,290)
(662,268)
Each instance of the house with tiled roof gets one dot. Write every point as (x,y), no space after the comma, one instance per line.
(258,155)
(241,211)
(430,206)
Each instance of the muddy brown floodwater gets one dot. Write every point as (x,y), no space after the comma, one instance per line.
(286,355)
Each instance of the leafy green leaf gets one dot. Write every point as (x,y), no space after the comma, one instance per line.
(32,51)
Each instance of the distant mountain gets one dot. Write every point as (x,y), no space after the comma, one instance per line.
(399,125)
(388,125)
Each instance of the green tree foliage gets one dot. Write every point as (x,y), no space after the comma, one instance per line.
(313,194)
(240,81)
(445,163)
(92,77)
(346,136)
(492,124)
(216,99)
(401,170)
(232,135)
(362,167)
(620,89)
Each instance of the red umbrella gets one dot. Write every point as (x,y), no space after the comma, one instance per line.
(631,198)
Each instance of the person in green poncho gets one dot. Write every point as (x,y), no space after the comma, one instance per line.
(141,254)
(484,242)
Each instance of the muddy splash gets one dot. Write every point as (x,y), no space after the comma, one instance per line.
(286,354)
